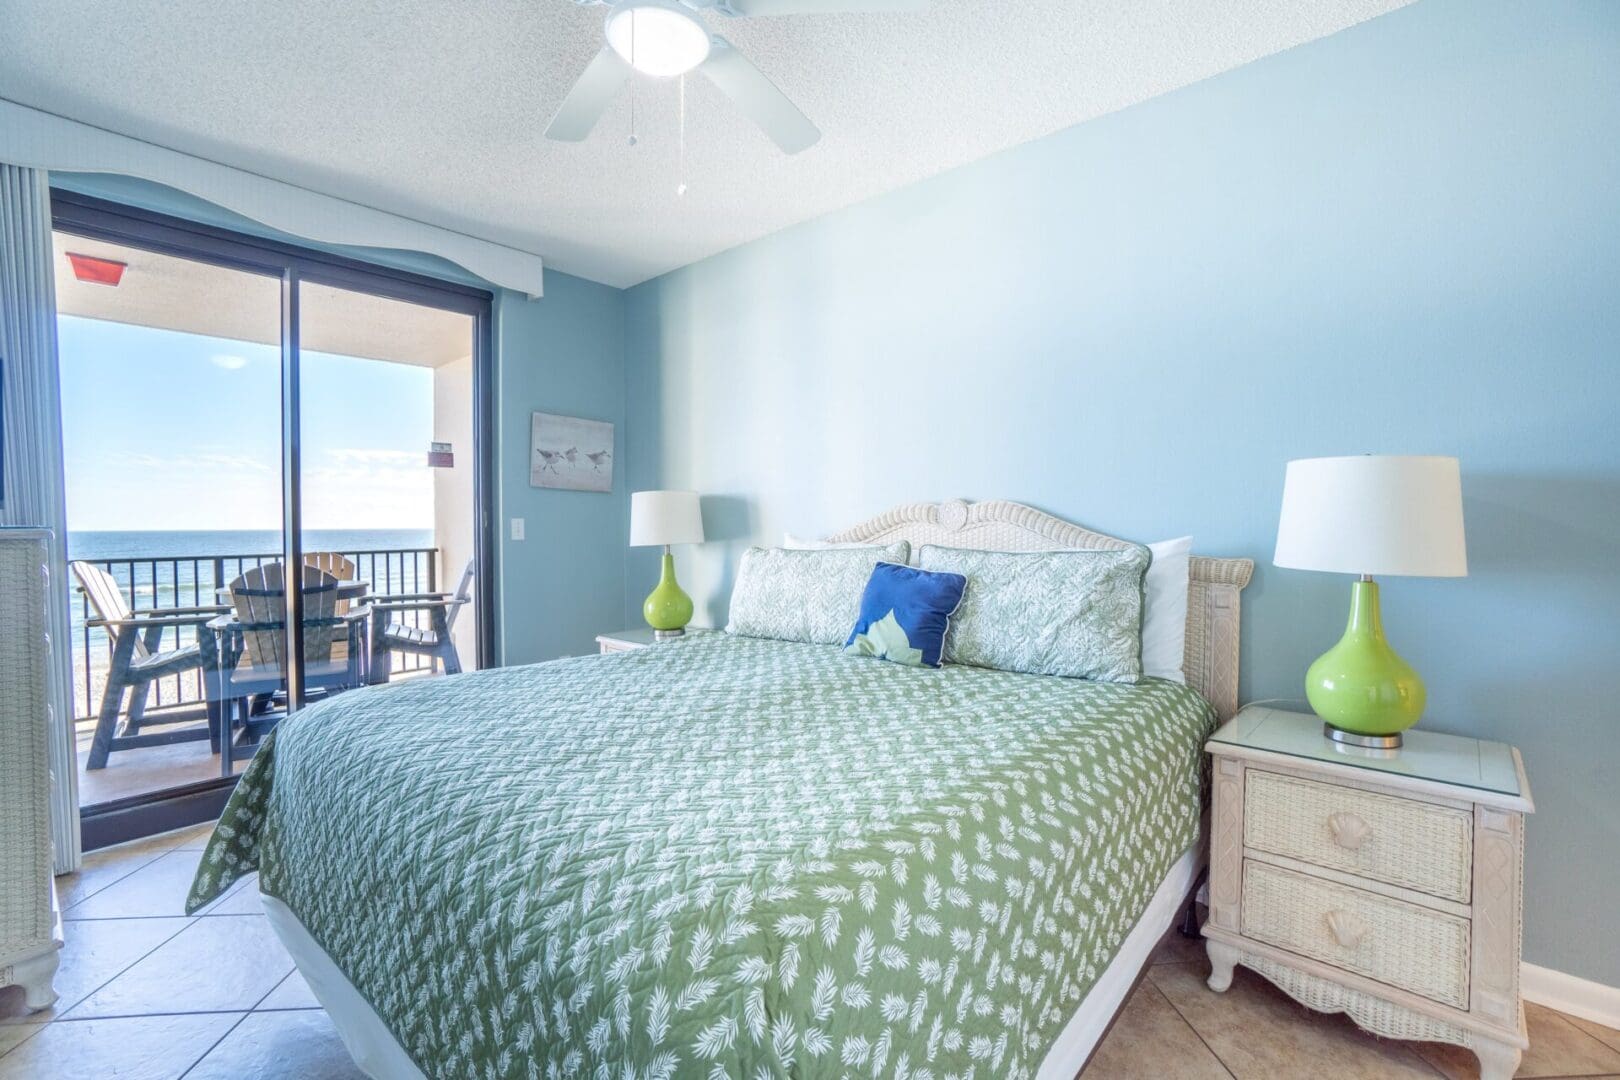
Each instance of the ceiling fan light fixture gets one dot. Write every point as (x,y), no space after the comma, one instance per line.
(657,39)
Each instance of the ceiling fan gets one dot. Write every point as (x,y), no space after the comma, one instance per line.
(665,38)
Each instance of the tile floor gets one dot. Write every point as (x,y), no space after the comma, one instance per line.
(1174,1026)
(148,993)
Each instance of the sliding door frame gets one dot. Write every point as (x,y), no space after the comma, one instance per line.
(292,264)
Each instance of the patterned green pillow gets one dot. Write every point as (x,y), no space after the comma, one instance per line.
(1074,613)
(809,596)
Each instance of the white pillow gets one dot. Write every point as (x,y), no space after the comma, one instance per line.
(1164,615)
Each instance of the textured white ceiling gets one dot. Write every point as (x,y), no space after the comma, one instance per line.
(435,110)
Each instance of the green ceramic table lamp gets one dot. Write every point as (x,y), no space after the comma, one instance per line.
(1390,516)
(662,518)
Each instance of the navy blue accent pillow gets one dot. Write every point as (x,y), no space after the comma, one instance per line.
(905,613)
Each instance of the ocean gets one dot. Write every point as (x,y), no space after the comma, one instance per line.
(172,569)
(156,544)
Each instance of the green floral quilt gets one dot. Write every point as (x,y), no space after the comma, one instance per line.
(721,857)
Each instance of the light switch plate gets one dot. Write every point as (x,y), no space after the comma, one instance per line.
(517,528)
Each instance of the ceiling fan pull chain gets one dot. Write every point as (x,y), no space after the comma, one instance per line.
(632,81)
(680,169)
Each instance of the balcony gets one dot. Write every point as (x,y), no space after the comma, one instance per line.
(177,430)
(177,703)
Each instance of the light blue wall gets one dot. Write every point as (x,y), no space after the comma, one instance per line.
(1403,238)
(565,583)
(562,353)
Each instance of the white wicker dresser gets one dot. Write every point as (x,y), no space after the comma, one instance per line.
(1385,885)
(30,928)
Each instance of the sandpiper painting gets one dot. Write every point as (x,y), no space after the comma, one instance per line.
(571,453)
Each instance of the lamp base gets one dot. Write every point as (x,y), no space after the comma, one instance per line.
(1361,687)
(665,635)
(1365,742)
(667,609)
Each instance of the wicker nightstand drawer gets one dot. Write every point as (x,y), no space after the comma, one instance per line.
(1404,945)
(1415,845)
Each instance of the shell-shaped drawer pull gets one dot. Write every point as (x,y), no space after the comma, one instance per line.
(1348,830)
(1346,929)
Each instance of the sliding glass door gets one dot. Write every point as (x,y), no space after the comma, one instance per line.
(276,462)
(385,406)
(170,370)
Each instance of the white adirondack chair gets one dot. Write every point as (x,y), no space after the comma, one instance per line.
(138,660)
(253,660)
(391,634)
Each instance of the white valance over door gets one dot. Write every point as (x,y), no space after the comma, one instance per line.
(44,141)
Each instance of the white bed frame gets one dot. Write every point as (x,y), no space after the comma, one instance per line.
(1212,670)
(1212,596)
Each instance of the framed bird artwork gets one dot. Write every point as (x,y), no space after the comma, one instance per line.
(571,453)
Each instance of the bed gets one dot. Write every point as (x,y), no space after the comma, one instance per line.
(727,856)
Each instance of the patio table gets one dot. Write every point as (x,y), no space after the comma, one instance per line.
(215,641)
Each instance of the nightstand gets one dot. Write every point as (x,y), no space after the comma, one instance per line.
(639,638)
(1381,884)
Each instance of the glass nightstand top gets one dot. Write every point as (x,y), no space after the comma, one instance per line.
(644,635)
(1424,755)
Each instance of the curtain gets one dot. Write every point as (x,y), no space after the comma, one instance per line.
(31,438)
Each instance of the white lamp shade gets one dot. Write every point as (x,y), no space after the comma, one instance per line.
(665,517)
(1376,515)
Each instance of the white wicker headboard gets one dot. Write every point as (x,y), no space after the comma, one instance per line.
(1212,597)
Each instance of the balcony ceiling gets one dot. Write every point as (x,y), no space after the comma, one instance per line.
(435,110)
(169,293)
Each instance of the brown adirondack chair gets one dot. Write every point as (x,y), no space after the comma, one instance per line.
(138,660)
(391,634)
(252,659)
(338,565)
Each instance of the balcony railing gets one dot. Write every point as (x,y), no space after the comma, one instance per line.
(193,580)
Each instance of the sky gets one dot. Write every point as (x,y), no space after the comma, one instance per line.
(174,431)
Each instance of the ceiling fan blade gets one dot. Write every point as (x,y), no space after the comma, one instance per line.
(822,7)
(758,97)
(590,97)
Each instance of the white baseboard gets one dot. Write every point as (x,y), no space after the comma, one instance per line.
(1571,994)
